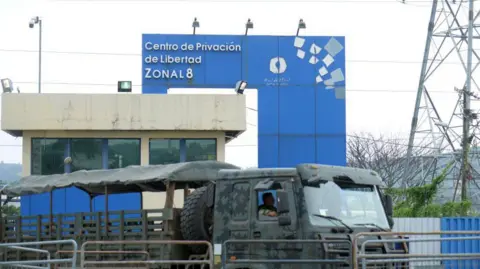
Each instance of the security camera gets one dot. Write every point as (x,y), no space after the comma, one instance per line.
(31,24)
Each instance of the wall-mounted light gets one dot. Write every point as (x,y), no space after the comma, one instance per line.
(301,25)
(124,86)
(248,25)
(7,85)
(195,25)
(240,86)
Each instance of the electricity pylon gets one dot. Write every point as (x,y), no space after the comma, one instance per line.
(449,62)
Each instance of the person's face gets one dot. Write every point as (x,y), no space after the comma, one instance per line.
(269,200)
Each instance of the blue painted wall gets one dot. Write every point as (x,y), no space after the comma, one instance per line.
(301,111)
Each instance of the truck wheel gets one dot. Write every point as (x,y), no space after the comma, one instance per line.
(196,219)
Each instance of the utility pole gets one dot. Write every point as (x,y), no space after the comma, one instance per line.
(467,112)
(466,141)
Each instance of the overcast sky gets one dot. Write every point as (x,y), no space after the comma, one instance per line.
(90,45)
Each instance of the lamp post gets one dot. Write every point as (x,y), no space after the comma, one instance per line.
(248,25)
(301,25)
(195,25)
(33,21)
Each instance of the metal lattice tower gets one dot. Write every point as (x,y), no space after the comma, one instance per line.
(449,63)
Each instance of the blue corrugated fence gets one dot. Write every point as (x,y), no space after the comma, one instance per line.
(461,246)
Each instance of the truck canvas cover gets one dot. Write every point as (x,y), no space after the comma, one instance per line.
(136,178)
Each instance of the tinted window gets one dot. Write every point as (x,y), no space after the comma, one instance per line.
(164,151)
(86,154)
(123,152)
(47,156)
(201,149)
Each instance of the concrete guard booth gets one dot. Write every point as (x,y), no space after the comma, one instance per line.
(102,131)
(301,112)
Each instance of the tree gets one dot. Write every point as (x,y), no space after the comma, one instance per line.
(419,201)
(10,210)
(387,157)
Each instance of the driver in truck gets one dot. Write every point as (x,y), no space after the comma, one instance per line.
(268,208)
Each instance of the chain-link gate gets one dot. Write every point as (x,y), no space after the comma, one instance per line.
(35,247)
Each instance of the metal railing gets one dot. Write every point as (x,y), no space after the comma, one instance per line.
(276,260)
(35,264)
(98,252)
(462,259)
(209,261)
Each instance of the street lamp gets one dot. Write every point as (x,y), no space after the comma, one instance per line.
(248,25)
(31,24)
(195,25)
(301,25)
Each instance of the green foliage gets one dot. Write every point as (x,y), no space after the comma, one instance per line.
(418,201)
(10,210)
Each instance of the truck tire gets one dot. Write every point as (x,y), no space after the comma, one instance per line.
(196,219)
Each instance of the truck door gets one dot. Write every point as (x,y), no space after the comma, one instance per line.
(267,227)
(237,220)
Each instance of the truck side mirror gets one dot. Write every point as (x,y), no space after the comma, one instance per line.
(283,205)
(388,205)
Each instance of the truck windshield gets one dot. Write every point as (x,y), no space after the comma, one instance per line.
(354,204)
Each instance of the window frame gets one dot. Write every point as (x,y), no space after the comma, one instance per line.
(186,148)
(42,139)
(153,139)
(68,149)
(102,145)
(182,146)
(106,151)
(257,198)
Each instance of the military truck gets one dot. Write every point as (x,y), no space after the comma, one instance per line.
(318,211)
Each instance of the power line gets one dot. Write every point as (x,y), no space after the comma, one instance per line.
(271,1)
(138,85)
(92,53)
(10,145)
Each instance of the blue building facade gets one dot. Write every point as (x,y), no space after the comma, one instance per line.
(301,104)
(300,83)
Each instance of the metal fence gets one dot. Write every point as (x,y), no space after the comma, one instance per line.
(421,226)
(353,254)
(282,252)
(464,260)
(35,247)
(202,262)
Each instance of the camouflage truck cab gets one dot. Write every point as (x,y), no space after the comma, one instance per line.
(319,210)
